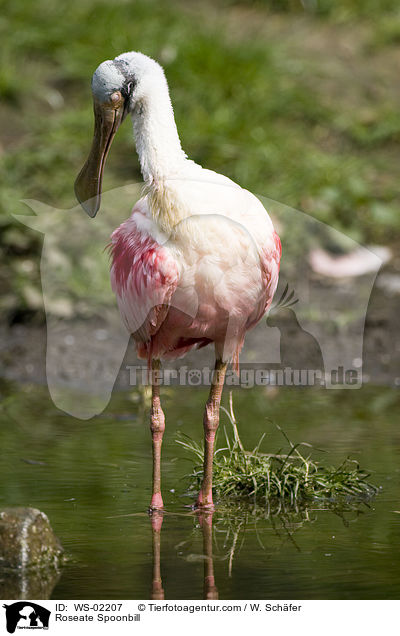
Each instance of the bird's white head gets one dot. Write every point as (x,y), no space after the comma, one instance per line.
(131,83)
(131,74)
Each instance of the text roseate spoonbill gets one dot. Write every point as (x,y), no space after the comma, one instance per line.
(197,262)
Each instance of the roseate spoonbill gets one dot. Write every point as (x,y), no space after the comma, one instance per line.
(197,261)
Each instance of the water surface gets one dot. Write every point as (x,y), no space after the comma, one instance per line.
(93,480)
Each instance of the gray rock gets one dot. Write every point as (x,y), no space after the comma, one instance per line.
(27,540)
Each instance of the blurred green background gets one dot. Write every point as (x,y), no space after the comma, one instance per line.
(296,100)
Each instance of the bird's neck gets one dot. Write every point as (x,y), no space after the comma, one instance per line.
(162,160)
(157,140)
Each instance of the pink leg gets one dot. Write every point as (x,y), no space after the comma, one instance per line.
(157,427)
(211,422)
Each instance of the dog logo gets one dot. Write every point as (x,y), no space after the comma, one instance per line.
(26,615)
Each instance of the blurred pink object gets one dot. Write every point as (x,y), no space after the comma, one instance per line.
(357,263)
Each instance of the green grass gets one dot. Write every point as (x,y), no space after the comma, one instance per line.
(290,476)
(295,101)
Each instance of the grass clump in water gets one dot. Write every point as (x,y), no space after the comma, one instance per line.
(292,476)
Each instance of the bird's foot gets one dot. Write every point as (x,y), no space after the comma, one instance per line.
(157,517)
(156,502)
(205,502)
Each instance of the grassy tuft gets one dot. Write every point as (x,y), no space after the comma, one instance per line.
(290,476)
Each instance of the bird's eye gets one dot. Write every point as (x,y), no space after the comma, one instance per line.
(116,97)
(127,89)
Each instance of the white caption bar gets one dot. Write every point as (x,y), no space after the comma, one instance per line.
(143,617)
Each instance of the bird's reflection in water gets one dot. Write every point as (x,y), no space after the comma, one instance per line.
(280,522)
(205,520)
(157,590)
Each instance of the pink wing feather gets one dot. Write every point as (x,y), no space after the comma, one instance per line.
(144,276)
(270,263)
